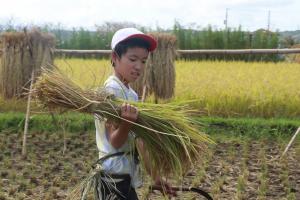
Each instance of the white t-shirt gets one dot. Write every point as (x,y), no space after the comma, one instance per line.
(119,164)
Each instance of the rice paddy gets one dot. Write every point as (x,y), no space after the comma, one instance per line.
(228,89)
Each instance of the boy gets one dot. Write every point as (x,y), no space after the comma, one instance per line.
(115,142)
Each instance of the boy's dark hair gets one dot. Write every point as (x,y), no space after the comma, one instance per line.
(123,46)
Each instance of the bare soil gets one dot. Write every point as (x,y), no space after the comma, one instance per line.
(235,169)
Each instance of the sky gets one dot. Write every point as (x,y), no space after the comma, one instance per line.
(250,14)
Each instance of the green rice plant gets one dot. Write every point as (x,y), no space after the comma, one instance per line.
(216,187)
(245,154)
(242,179)
(231,153)
(241,187)
(263,174)
(291,196)
(263,186)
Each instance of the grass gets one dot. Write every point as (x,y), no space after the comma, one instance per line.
(77,122)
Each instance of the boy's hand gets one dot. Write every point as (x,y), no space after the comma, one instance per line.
(129,112)
(119,134)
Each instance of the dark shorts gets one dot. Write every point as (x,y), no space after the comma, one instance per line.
(122,189)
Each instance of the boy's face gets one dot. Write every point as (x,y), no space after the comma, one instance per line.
(131,64)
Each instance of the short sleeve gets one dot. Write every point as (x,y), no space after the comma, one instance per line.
(117,92)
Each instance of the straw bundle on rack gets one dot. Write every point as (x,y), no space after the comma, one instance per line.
(22,53)
(159,74)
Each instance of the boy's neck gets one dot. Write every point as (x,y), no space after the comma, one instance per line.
(120,77)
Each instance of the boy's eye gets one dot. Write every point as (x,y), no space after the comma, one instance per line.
(132,60)
(144,61)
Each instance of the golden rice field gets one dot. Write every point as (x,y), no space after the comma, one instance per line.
(219,88)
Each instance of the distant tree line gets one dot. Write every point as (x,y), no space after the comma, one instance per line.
(187,38)
(209,38)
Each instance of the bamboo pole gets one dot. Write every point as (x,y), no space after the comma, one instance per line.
(237,51)
(290,143)
(195,51)
(27,116)
(106,53)
(82,51)
(73,52)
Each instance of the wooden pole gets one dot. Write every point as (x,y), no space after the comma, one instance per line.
(238,51)
(27,116)
(290,143)
(144,93)
(194,51)
(73,52)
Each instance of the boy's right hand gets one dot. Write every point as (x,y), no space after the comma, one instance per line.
(118,135)
(129,112)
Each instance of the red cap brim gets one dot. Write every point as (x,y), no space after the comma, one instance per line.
(148,38)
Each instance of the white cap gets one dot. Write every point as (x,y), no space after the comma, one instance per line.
(127,33)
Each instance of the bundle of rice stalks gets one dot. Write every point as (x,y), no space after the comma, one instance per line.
(169,134)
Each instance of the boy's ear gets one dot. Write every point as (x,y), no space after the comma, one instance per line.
(113,58)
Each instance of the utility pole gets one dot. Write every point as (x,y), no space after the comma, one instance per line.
(269,20)
(226,28)
(226,19)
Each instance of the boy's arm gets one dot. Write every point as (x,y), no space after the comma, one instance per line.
(118,135)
